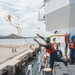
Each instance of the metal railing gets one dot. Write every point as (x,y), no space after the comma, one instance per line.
(39,65)
(41,16)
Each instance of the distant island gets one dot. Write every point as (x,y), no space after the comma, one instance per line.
(14,36)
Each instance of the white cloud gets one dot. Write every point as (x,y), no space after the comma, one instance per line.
(24,10)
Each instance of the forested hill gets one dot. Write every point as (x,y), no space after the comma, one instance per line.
(11,36)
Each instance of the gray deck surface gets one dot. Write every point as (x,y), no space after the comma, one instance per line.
(62,70)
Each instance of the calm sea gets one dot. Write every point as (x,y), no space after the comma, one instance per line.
(19,41)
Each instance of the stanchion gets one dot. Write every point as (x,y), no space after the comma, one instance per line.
(30,70)
(39,63)
(47,71)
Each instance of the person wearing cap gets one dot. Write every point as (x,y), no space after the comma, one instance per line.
(50,49)
(72,49)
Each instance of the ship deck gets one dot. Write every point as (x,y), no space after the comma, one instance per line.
(57,70)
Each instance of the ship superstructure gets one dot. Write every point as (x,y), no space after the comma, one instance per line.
(59,16)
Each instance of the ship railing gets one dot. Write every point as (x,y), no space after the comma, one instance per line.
(41,16)
(40,65)
(40,60)
(41,13)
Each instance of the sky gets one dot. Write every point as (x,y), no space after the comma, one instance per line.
(24,17)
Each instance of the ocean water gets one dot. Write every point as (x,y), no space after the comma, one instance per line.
(19,41)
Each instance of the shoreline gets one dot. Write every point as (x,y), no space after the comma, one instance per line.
(16,45)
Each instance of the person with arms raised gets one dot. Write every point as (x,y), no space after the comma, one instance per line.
(50,49)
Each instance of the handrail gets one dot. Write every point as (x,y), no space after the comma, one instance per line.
(39,66)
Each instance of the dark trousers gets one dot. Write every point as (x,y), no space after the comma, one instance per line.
(53,58)
(72,55)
